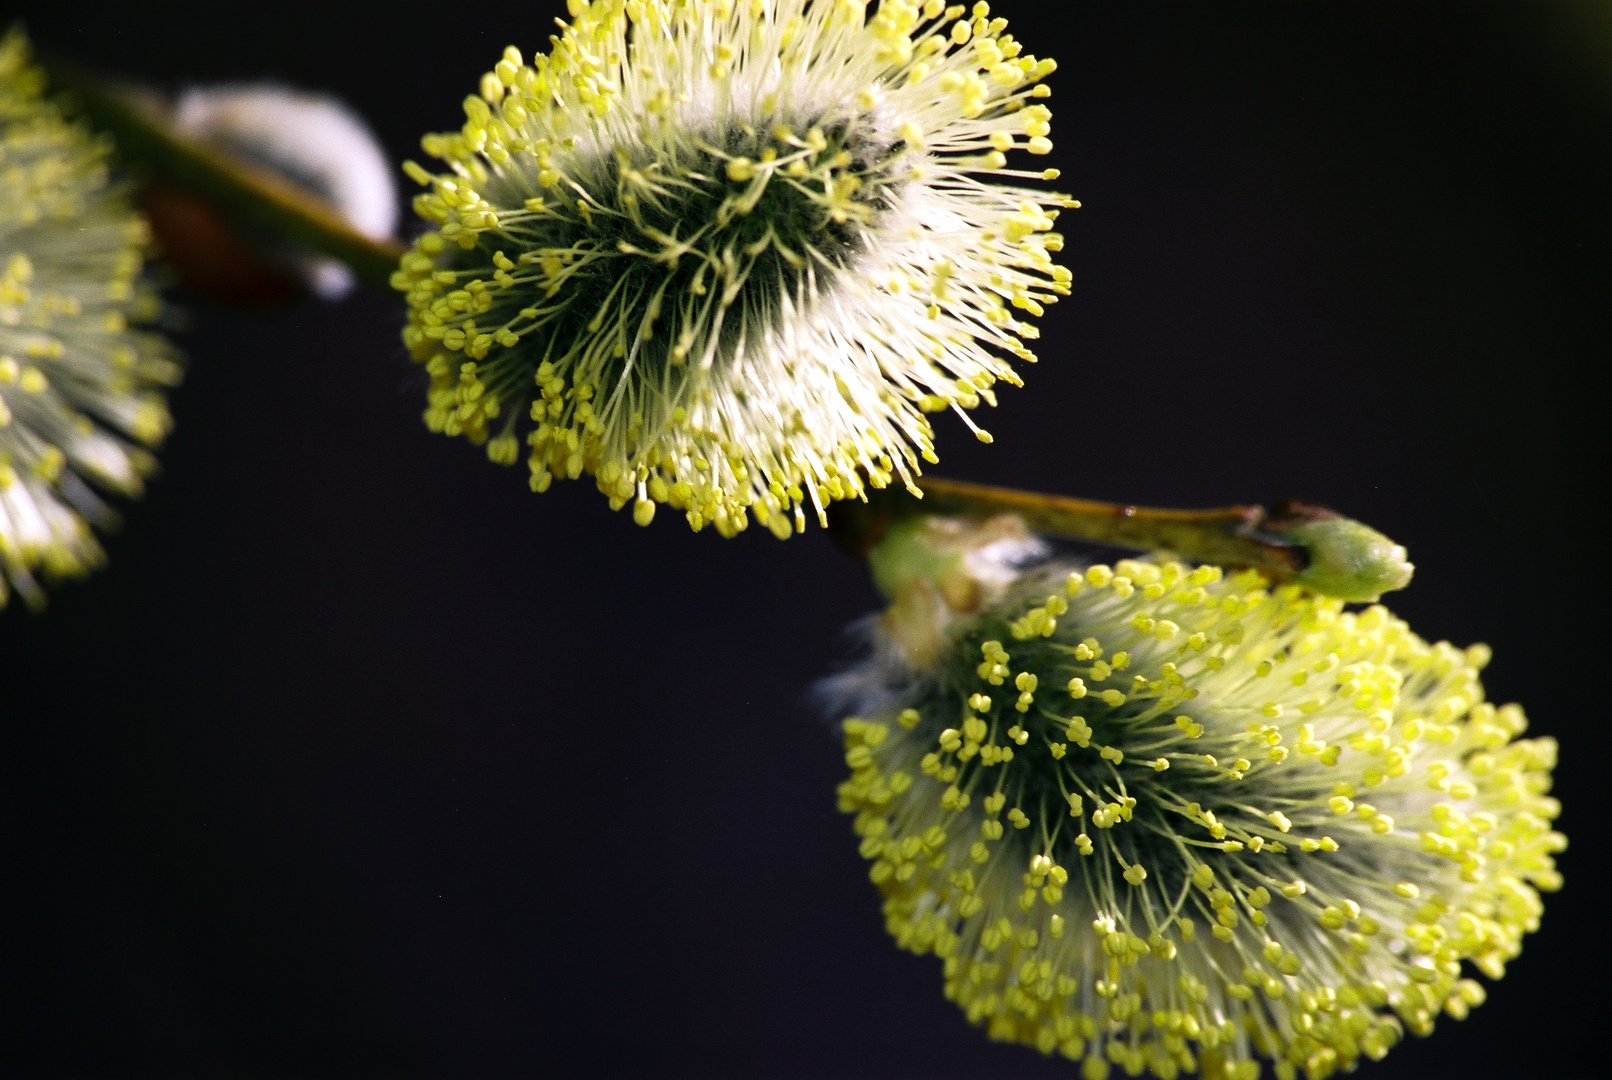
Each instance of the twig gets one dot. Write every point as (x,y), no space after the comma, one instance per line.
(1297,542)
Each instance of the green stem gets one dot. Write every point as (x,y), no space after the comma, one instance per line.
(254,196)
(1291,542)
(1222,535)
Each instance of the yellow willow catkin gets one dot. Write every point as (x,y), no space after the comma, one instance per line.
(80,386)
(726,256)
(1150,817)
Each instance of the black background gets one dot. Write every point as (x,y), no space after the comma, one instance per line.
(363,761)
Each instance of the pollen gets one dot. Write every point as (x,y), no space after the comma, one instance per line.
(81,383)
(1336,923)
(729,256)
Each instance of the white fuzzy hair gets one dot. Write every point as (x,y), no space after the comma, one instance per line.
(312,139)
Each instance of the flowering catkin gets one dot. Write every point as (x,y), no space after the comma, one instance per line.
(726,255)
(80,386)
(1151,817)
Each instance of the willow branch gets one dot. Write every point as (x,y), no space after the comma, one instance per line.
(1290,542)
(1294,542)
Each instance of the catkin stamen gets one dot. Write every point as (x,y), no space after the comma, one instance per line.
(1342,824)
(729,264)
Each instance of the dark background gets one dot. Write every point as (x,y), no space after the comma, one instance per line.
(363,761)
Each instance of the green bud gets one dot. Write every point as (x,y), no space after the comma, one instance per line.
(1349,560)
(911,549)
